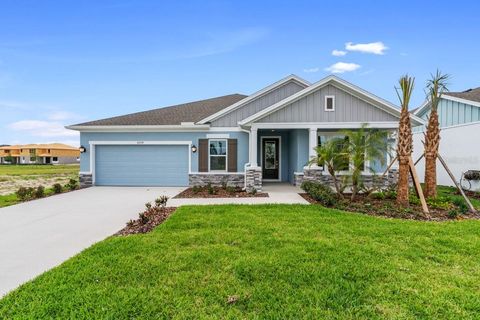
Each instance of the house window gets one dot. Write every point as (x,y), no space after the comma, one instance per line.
(217,154)
(329,103)
(55,159)
(345,162)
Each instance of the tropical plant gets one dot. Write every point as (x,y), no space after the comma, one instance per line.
(331,156)
(405,139)
(363,146)
(436,86)
(320,192)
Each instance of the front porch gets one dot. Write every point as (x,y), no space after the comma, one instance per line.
(280,154)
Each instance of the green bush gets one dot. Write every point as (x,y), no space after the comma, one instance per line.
(230,189)
(24,194)
(196,189)
(320,192)
(210,189)
(461,205)
(452,214)
(161,201)
(57,188)
(443,203)
(378,195)
(72,184)
(40,192)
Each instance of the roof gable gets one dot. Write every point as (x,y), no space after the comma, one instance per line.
(255,96)
(340,84)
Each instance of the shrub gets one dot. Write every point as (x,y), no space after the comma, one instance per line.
(253,191)
(461,205)
(320,192)
(72,184)
(443,203)
(378,195)
(210,189)
(57,188)
(148,205)
(24,193)
(452,214)
(224,184)
(161,201)
(40,192)
(230,189)
(196,189)
(143,217)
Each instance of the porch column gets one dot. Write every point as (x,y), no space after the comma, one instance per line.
(312,143)
(253,147)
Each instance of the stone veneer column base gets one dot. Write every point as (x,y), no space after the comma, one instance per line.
(253,179)
(216,179)
(85,180)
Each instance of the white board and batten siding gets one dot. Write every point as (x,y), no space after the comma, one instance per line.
(459,146)
(311,108)
(232,118)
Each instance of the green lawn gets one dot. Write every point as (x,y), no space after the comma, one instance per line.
(19,170)
(281,261)
(8,200)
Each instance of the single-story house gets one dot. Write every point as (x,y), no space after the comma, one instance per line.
(459,117)
(236,139)
(49,153)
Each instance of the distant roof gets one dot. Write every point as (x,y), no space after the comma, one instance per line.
(470,94)
(41,146)
(172,115)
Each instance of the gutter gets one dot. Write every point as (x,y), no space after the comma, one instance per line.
(137,128)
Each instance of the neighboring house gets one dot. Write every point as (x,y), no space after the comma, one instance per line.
(52,153)
(243,140)
(459,117)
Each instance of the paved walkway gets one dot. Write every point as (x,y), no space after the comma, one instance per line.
(38,235)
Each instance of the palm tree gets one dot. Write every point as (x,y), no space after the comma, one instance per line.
(405,140)
(329,155)
(364,145)
(436,86)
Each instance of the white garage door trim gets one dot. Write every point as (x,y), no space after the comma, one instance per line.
(137,143)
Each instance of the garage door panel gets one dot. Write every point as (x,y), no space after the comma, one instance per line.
(141,165)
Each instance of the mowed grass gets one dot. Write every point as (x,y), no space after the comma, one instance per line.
(20,170)
(277,261)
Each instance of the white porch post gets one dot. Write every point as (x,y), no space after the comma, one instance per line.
(312,143)
(253,147)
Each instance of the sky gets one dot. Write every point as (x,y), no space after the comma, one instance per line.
(65,62)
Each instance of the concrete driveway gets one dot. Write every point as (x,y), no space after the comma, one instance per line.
(38,235)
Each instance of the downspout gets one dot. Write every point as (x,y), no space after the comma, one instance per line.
(248,164)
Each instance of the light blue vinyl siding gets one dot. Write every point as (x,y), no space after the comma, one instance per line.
(141,165)
(451,113)
(86,137)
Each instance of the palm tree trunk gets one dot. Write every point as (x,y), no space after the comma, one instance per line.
(335,182)
(430,177)
(402,186)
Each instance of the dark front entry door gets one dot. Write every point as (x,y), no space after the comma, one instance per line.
(270,158)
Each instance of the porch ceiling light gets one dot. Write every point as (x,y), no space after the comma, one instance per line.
(82,149)
(194,148)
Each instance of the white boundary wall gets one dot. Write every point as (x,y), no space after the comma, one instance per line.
(459,146)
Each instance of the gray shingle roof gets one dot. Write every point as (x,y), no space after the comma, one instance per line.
(172,115)
(470,94)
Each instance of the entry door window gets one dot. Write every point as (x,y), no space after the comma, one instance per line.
(270,154)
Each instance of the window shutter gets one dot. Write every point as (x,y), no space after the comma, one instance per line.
(232,155)
(203,155)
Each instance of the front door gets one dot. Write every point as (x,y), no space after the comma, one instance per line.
(270,158)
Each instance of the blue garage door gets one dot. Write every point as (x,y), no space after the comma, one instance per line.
(141,165)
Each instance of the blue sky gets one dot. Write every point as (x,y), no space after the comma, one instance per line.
(64,62)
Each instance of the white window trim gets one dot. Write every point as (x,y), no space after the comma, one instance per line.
(350,164)
(279,156)
(215,155)
(54,161)
(333,103)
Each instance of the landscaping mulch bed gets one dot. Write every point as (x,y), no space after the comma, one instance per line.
(470,194)
(389,208)
(151,218)
(218,192)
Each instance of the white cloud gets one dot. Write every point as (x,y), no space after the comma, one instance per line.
(311,70)
(338,53)
(62,115)
(341,67)
(40,128)
(372,47)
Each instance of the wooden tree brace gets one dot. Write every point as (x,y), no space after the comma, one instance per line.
(418,186)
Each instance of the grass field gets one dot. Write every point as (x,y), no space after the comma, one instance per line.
(274,262)
(28,170)
(13,177)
